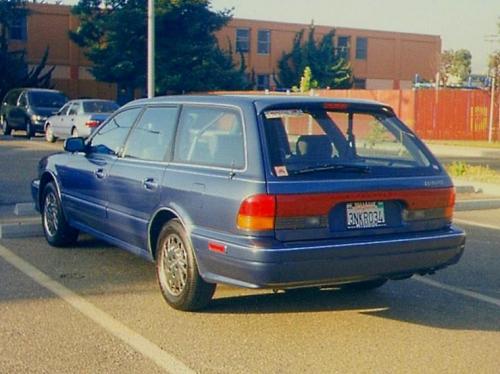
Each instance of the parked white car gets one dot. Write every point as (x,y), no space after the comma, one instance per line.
(78,118)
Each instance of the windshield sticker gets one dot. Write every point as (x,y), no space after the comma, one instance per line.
(281,171)
(283,113)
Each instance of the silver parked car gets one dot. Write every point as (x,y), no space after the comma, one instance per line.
(78,118)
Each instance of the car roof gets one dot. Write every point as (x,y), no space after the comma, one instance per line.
(260,101)
(91,100)
(41,90)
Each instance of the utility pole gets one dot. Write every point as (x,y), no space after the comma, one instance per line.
(492,110)
(151,48)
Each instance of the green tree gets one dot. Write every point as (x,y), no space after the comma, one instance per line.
(462,64)
(494,62)
(446,65)
(306,82)
(188,58)
(455,66)
(14,71)
(327,66)
(494,67)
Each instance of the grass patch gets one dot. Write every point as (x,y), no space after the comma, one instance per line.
(472,172)
(466,143)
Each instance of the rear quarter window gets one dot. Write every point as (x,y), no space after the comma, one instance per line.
(210,136)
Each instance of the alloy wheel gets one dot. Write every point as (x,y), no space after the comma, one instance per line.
(51,210)
(175,264)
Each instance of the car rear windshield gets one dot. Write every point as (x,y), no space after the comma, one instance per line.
(99,106)
(47,99)
(304,140)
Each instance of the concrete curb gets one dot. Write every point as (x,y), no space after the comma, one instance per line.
(24,229)
(25,209)
(442,150)
(466,205)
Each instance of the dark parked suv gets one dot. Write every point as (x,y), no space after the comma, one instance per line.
(28,108)
(258,192)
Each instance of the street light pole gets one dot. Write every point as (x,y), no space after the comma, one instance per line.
(492,110)
(151,48)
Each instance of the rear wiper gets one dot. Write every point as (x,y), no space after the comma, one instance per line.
(326,167)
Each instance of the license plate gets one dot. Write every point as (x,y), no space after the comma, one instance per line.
(362,215)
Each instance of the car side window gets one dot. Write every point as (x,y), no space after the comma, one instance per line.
(64,109)
(210,136)
(151,139)
(22,102)
(109,138)
(73,111)
(11,98)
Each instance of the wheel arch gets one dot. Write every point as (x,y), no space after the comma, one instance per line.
(45,179)
(160,218)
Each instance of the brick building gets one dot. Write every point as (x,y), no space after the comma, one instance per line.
(380,59)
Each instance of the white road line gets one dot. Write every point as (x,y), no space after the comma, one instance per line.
(477,224)
(460,291)
(110,324)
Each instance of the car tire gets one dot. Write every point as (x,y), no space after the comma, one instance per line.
(177,270)
(6,129)
(365,285)
(74,133)
(49,134)
(30,130)
(56,229)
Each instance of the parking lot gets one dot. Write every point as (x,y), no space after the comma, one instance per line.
(95,308)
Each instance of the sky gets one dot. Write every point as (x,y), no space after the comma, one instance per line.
(460,23)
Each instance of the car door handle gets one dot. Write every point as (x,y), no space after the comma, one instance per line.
(150,184)
(99,173)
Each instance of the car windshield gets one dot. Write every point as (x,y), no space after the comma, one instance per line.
(47,99)
(302,140)
(99,106)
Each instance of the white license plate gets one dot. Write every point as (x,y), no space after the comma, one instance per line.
(361,215)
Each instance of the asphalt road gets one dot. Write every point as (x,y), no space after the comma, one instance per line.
(95,308)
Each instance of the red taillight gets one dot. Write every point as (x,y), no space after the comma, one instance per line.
(257,213)
(431,204)
(92,123)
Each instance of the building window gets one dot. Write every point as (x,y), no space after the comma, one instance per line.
(359,83)
(18,29)
(361,48)
(263,42)
(242,40)
(343,45)
(263,82)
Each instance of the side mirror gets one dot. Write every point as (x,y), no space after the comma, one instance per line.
(75,145)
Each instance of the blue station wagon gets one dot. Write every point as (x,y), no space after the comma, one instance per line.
(255,191)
